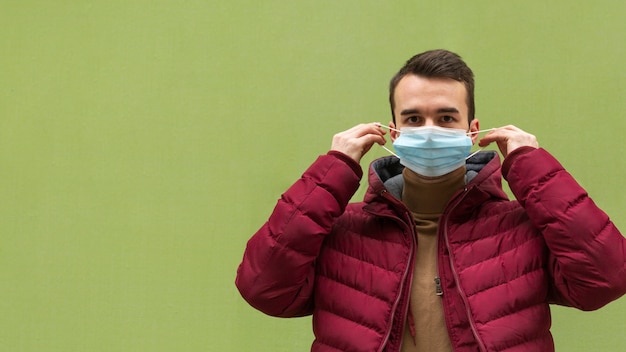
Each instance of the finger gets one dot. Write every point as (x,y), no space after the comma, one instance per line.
(370,139)
(372,127)
(500,134)
(375,128)
(358,140)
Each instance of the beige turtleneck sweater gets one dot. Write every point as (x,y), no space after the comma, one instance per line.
(426,198)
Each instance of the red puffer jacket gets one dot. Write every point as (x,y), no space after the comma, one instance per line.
(501,262)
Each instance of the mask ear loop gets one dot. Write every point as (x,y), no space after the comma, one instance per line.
(481,131)
(481,149)
(474,153)
(389,150)
(391,129)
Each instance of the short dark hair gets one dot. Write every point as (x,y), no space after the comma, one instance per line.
(437,64)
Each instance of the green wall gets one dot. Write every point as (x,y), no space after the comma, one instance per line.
(143,142)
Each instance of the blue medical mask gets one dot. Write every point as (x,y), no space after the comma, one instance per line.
(432,151)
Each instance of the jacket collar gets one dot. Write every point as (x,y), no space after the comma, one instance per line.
(483,173)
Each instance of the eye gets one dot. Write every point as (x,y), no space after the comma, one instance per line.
(413,119)
(448,119)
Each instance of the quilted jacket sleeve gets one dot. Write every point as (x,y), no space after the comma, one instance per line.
(276,274)
(587,252)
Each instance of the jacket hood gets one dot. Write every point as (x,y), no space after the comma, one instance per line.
(483,174)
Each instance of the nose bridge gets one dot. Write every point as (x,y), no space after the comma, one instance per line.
(429,121)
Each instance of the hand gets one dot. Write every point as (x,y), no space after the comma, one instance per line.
(508,139)
(358,140)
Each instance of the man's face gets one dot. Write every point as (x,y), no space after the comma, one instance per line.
(431,102)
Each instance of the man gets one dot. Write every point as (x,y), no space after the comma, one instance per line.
(436,258)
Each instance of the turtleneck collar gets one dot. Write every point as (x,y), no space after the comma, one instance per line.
(429,195)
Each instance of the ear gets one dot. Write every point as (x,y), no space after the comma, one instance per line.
(474,127)
(393,134)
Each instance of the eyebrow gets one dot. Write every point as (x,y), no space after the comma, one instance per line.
(439,111)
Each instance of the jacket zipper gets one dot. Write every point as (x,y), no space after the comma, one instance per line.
(404,278)
(481,344)
(438,289)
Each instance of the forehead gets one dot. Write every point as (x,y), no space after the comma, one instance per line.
(415,91)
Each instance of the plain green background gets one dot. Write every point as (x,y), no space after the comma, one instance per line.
(143,142)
